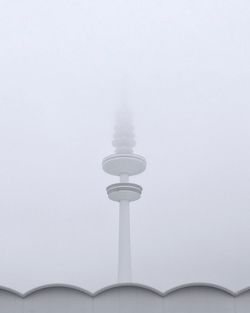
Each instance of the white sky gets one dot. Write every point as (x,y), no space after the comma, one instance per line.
(62,65)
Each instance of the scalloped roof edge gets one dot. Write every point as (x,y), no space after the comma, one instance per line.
(114,286)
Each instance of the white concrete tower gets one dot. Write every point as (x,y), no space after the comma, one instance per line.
(124,163)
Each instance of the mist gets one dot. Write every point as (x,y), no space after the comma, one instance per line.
(187,71)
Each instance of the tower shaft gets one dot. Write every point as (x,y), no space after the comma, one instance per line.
(124,270)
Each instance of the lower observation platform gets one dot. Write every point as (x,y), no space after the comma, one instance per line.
(124,192)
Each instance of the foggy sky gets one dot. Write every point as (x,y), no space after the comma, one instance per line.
(62,65)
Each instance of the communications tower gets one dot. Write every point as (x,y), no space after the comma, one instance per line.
(124,163)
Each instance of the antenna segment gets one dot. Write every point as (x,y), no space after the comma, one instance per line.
(124,163)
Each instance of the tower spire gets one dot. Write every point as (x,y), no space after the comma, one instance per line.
(124,138)
(124,163)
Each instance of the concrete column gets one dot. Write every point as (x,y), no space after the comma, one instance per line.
(124,271)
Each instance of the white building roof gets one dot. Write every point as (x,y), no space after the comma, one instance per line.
(126,298)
